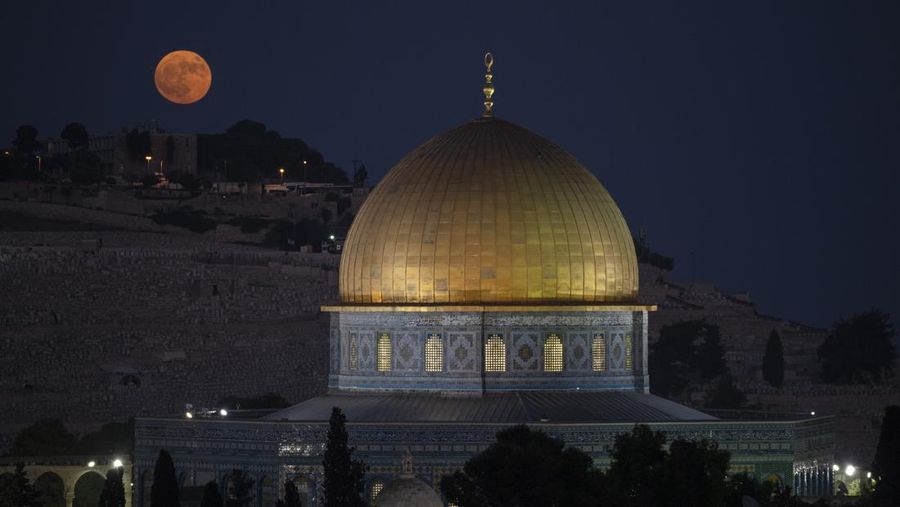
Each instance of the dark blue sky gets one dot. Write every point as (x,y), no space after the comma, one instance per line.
(764,137)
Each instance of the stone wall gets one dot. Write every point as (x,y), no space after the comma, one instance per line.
(149,322)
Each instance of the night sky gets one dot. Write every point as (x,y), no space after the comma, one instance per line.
(760,139)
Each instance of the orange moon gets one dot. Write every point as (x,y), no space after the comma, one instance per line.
(182,77)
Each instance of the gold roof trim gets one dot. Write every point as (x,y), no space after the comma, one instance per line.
(488,308)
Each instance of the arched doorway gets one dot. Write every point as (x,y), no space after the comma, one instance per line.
(266,491)
(88,488)
(52,490)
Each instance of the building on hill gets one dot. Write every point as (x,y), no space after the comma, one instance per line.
(489,280)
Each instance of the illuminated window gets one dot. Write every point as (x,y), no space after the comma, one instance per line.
(354,354)
(377,486)
(598,353)
(434,353)
(553,353)
(495,354)
(383,353)
(629,361)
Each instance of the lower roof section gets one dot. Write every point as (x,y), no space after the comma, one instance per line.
(537,307)
(521,407)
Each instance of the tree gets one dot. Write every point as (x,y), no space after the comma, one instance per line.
(164,492)
(240,490)
(343,481)
(76,135)
(695,474)
(859,349)
(773,361)
(26,139)
(886,467)
(686,351)
(113,494)
(360,175)
(710,354)
(138,144)
(526,468)
(211,495)
(725,394)
(291,495)
(17,491)
(637,464)
(111,438)
(743,484)
(47,437)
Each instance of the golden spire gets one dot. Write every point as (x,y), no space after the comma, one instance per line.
(488,86)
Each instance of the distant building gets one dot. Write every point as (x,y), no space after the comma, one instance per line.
(168,152)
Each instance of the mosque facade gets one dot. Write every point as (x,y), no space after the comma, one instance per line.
(489,280)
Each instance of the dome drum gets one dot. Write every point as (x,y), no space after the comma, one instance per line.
(477,352)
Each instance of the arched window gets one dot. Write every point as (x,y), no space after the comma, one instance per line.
(553,353)
(376,488)
(495,354)
(598,353)
(434,353)
(383,353)
(629,361)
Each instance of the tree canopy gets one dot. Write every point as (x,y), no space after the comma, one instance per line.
(17,491)
(164,492)
(76,135)
(343,476)
(686,352)
(773,361)
(526,468)
(859,349)
(240,489)
(886,466)
(211,495)
(249,151)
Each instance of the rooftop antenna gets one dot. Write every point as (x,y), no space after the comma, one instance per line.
(488,86)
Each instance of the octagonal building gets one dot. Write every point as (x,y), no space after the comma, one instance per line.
(488,280)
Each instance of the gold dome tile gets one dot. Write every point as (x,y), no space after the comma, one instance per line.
(488,213)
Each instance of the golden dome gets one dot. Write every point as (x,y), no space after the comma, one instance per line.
(488,213)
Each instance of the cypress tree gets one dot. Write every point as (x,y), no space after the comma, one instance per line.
(343,479)
(164,492)
(773,361)
(16,490)
(113,494)
(211,495)
(240,491)
(886,466)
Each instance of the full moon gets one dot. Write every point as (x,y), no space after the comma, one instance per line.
(182,77)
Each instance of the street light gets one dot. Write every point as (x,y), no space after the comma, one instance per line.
(91,464)
(223,412)
(148,158)
(281,171)
(850,470)
(117,463)
(38,157)
(304,170)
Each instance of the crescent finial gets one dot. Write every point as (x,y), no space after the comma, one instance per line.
(488,85)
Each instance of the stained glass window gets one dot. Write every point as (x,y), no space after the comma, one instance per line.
(434,353)
(383,353)
(495,354)
(598,353)
(354,353)
(629,361)
(553,353)
(377,486)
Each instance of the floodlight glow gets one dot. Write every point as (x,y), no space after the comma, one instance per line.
(189,415)
(850,470)
(835,468)
(92,463)
(117,463)
(868,475)
(223,412)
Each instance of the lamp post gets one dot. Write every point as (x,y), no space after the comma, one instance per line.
(39,159)
(304,170)
(148,158)
(281,171)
